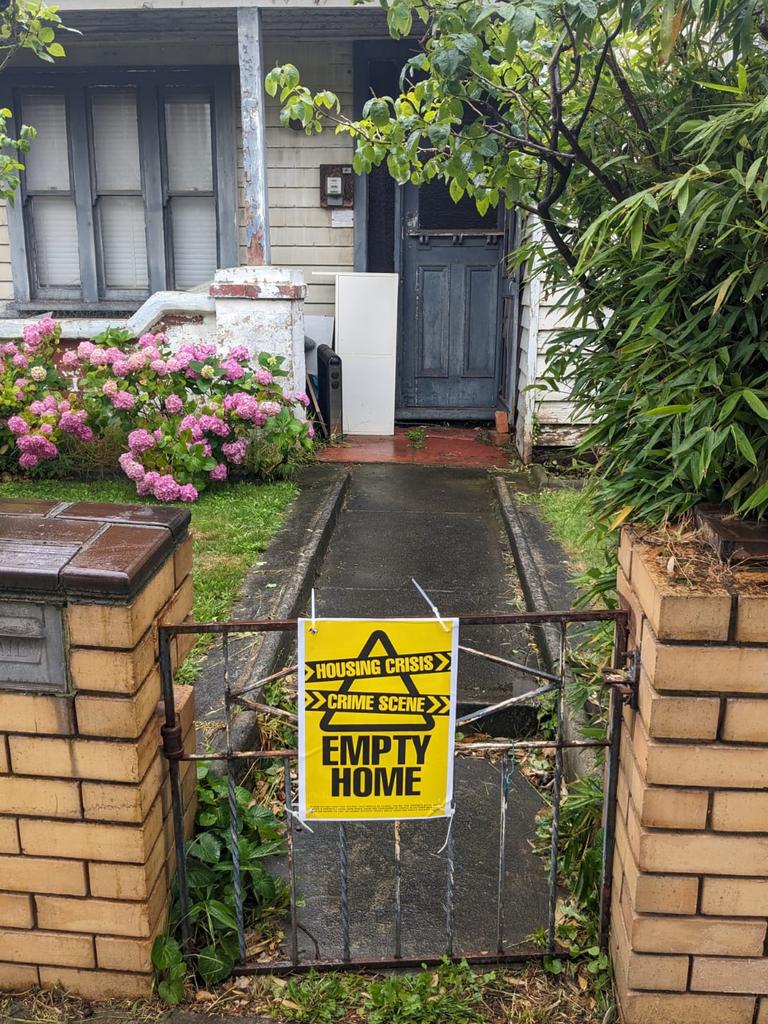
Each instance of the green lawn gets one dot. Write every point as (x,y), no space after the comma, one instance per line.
(231,526)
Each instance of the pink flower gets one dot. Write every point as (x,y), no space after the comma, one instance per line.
(123,400)
(144,487)
(85,350)
(132,469)
(36,444)
(219,472)
(46,428)
(17,425)
(140,441)
(69,360)
(137,361)
(173,365)
(21,361)
(187,492)
(120,368)
(74,423)
(99,357)
(235,451)
(234,370)
(264,376)
(270,408)
(303,397)
(32,335)
(310,430)
(173,404)
(166,488)
(147,341)
(191,424)
(239,352)
(28,460)
(110,387)
(159,366)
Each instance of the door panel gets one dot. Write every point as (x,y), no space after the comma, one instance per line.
(449,340)
(482,298)
(432,319)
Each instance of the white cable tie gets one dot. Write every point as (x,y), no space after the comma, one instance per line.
(446,626)
(450,826)
(303,823)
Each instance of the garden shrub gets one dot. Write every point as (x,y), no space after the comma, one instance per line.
(186,418)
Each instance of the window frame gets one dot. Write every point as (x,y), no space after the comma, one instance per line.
(150,86)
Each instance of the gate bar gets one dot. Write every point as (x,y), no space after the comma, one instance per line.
(620,645)
(504,796)
(291,861)
(475,619)
(556,791)
(173,748)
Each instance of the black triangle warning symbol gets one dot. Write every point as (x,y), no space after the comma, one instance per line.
(339,721)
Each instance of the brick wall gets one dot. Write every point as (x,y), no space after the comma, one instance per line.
(86,833)
(690,898)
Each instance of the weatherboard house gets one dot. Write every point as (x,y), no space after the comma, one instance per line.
(161,189)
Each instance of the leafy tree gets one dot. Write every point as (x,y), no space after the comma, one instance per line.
(634,132)
(24,25)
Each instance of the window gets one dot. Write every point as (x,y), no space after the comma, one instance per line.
(129,187)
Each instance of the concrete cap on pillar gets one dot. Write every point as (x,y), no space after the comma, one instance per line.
(249,282)
(84,548)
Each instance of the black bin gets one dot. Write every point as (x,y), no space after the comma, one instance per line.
(329,388)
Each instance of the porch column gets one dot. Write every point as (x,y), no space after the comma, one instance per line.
(253,112)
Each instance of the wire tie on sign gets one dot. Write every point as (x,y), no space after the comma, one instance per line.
(450,826)
(293,814)
(446,626)
(313,627)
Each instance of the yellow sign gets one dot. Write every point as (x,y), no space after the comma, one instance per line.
(377,708)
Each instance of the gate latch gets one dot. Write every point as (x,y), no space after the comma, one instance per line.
(626,680)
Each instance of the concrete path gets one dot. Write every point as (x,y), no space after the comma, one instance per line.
(440,526)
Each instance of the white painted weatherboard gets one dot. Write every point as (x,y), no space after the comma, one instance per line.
(366,340)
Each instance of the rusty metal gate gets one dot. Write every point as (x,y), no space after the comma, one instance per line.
(621,678)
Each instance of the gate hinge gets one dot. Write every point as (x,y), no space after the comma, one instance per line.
(173,744)
(626,679)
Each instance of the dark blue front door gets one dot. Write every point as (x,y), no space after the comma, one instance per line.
(448,361)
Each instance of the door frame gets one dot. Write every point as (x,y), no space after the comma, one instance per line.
(362,52)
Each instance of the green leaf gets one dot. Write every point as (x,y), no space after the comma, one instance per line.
(755,403)
(214,963)
(171,992)
(667,410)
(760,497)
(165,952)
(743,444)
(455,190)
(207,847)
(222,913)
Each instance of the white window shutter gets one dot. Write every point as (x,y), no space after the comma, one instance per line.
(115,140)
(123,241)
(47,163)
(188,143)
(56,252)
(193,222)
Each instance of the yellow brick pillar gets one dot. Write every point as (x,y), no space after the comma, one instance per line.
(690,896)
(86,835)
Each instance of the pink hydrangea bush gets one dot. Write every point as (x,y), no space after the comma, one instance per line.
(34,402)
(191,417)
